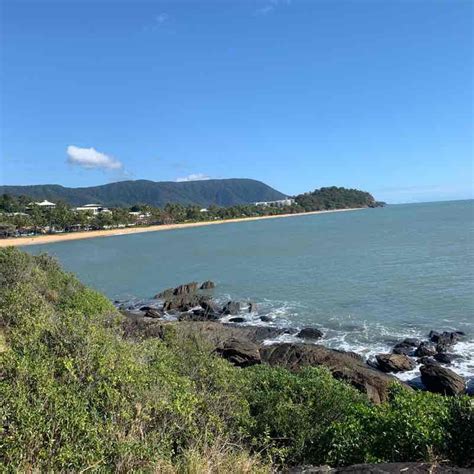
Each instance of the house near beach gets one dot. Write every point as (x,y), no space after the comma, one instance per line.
(279,203)
(94,208)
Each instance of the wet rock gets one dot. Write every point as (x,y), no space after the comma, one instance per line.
(373,383)
(208,285)
(425,350)
(197,315)
(210,306)
(266,319)
(165,294)
(394,362)
(444,340)
(442,380)
(231,307)
(146,308)
(310,333)
(185,302)
(185,289)
(237,320)
(240,352)
(427,360)
(444,358)
(153,313)
(407,346)
(252,307)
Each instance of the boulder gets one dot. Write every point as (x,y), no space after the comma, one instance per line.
(185,302)
(165,294)
(406,347)
(444,340)
(394,362)
(198,315)
(231,307)
(185,289)
(210,306)
(153,313)
(444,358)
(425,350)
(442,380)
(266,319)
(207,285)
(373,383)
(310,333)
(237,320)
(240,352)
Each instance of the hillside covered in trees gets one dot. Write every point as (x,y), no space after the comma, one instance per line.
(218,192)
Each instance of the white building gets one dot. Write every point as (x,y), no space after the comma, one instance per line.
(279,203)
(46,204)
(94,208)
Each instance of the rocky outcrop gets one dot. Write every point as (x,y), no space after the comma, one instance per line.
(240,352)
(252,307)
(310,333)
(394,362)
(342,366)
(406,347)
(207,285)
(425,350)
(232,308)
(442,380)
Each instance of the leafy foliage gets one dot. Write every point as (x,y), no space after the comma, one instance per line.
(78,395)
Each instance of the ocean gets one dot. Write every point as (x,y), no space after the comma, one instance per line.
(366,278)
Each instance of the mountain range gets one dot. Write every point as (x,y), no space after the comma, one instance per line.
(220,192)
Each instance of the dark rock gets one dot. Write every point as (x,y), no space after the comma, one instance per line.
(231,307)
(406,347)
(210,306)
(185,289)
(442,380)
(394,362)
(146,308)
(444,358)
(237,320)
(165,294)
(208,285)
(252,307)
(373,383)
(310,333)
(153,313)
(240,352)
(426,360)
(444,340)
(185,302)
(198,315)
(424,350)
(266,319)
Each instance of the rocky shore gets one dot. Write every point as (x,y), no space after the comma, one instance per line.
(189,310)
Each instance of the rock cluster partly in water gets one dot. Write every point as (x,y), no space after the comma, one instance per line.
(244,345)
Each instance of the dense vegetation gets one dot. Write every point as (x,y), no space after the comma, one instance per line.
(19,217)
(77,395)
(218,192)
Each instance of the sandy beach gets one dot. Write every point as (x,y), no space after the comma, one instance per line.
(93,234)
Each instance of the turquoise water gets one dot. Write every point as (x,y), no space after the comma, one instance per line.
(367,277)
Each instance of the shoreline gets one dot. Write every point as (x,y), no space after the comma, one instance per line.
(92,234)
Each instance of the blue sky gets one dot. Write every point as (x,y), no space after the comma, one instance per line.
(373,94)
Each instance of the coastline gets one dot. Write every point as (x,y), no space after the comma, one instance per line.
(92,234)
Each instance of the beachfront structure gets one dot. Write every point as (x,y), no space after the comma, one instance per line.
(94,208)
(279,203)
(45,204)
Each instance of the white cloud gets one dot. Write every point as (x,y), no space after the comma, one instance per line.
(90,158)
(193,177)
(270,6)
(161,18)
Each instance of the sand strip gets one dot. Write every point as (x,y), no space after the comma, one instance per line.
(92,234)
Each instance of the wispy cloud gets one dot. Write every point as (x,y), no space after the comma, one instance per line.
(90,158)
(161,18)
(193,177)
(270,6)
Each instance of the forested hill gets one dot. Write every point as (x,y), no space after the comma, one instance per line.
(220,192)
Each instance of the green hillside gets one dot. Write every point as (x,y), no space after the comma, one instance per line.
(220,192)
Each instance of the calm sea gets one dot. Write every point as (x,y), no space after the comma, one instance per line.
(367,278)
